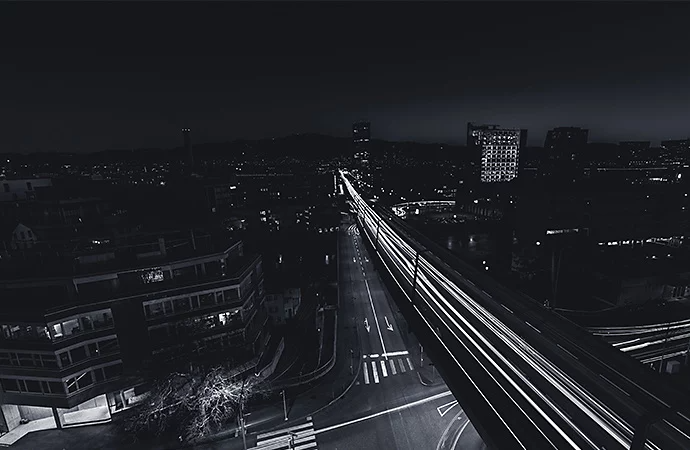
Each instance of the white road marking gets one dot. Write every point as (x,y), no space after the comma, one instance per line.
(395,372)
(383,369)
(374,355)
(409,363)
(402,353)
(373,309)
(366,373)
(375,371)
(457,439)
(402,366)
(443,409)
(533,327)
(381,413)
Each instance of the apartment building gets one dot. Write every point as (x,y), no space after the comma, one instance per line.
(82,333)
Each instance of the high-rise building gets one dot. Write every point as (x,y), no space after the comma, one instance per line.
(361,137)
(500,150)
(187,134)
(566,138)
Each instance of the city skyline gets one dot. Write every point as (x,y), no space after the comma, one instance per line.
(417,77)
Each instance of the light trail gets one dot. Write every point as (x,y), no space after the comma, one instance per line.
(575,414)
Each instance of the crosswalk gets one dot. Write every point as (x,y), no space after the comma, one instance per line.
(297,437)
(375,368)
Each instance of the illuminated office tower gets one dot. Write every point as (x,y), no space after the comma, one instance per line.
(500,150)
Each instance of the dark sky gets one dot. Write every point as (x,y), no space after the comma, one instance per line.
(92,76)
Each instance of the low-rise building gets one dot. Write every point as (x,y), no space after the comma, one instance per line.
(283,306)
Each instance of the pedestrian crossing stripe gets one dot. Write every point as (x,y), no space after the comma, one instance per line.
(303,437)
(366,373)
(385,369)
(375,371)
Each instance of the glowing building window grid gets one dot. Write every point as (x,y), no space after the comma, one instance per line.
(500,150)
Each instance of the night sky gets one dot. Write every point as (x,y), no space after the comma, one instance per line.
(95,76)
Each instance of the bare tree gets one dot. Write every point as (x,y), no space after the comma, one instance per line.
(198,404)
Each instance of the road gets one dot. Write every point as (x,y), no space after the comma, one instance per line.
(387,406)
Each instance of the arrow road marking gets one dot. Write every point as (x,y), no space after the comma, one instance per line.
(366,324)
(388,325)
(373,309)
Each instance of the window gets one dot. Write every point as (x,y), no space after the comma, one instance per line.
(78,354)
(4,359)
(71,385)
(26,360)
(154,309)
(231,294)
(64,359)
(56,387)
(71,327)
(33,386)
(49,361)
(57,330)
(99,375)
(181,304)
(84,380)
(207,300)
(9,384)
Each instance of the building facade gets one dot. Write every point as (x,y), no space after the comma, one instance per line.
(500,151)
(81,343)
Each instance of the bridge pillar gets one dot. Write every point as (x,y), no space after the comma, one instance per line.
(640,436)
(414,278)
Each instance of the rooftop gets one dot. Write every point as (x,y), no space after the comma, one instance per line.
(107,254)
(37,300)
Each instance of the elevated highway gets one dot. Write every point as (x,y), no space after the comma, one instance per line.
(527,377)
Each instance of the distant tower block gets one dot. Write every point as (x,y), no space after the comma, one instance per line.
(187,134)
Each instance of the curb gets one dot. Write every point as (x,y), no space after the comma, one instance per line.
(354,379)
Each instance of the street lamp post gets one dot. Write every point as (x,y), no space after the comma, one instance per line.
(285,406)
(421,355)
